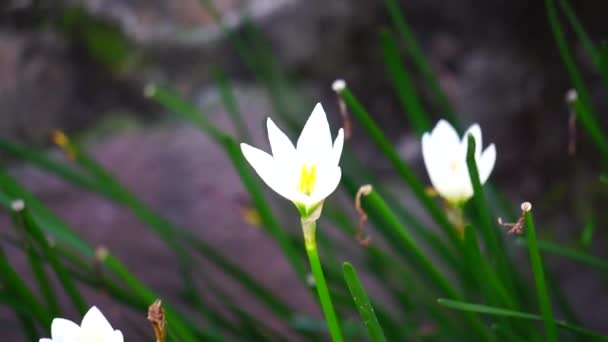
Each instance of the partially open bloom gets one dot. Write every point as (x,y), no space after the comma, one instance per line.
(445,157)
(94,328)
(307,173)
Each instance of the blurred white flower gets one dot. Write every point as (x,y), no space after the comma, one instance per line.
(94,328)
(307,173)
(445,157)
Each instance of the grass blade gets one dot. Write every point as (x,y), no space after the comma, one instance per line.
(366,311)
(420,60)
(490,310)
(404,85)
(493,242)
(36,234)
(402,169)
(582,105)
(570,253)
(539,279)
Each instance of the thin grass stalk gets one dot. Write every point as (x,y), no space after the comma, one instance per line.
(570,253)
(362,302)
(309,227)
(404,85)
(420,60)
(232,149)
(18,287)
(36,234)
(37,265)
(426,267)
(490,310)
(493,243)
(231,104)
(402,169)
(584,111)
(539,279)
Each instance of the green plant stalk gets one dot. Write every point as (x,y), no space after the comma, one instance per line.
(37,265)
(147,296)
(571,254)
(366,310)
(51,223)
(28,327)
(231,148)
(425,265)
(404,85)
(231,104)
(490,310)
(352,182)
(402,169)
(491,286)
(309,228)
(17,286)
(539,279)
(584,110)
(420,60)
(493,243)
(48,251)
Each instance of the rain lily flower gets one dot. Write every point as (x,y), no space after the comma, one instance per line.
(305,174)
(94,328)
(445,157)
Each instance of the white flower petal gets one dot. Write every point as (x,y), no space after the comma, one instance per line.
(436,167)
(337,149)
(63,330)
(117,336)
(326,184)
(474,130)
(281,146)
(485,164)
(46,340)
(315,141)
(269,170)
(95,323)
(445,134)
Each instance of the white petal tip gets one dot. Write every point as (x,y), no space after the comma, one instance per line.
(338,85)
(526,206)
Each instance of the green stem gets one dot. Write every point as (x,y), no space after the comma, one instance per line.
(539,279)
(309,227)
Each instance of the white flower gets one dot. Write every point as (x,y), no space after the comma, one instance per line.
(307,173)
(445,157)
(94,328)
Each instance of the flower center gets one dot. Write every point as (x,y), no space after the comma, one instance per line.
(308,179)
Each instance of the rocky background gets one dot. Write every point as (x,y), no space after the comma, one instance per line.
(496,60)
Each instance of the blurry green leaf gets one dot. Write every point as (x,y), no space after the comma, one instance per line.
(539,279)
(489,310)
(570,253)
(402,81)
(582,106)
(420,60)
(366,311)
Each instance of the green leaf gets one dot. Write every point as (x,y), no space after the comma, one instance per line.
(570,253)
(489,310)
(402,169)
(582,106)
(404,85)
(420,60)
(366,310)
(539,279)
(493,242)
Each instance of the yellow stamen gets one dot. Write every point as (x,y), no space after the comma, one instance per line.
(307,179)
